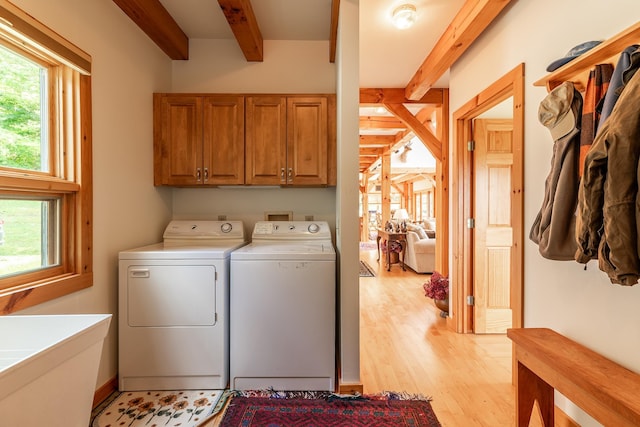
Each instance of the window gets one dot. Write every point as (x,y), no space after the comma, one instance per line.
(45,163)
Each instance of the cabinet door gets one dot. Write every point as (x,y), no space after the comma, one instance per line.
(223,140)
(177,140)
(266,145)
(307,140)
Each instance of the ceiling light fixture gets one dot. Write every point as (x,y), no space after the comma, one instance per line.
(404,16)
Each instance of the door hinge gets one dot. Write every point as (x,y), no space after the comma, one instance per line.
(471,223)
(471,145)
(471,300)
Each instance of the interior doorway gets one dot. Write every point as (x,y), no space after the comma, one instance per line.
(470,269)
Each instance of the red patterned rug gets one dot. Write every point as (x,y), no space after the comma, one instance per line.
(304,412)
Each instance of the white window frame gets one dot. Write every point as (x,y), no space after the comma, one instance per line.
(70,174)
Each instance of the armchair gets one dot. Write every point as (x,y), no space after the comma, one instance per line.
(420,253)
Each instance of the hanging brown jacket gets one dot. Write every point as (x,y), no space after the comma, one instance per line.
(554,227)
(608,199)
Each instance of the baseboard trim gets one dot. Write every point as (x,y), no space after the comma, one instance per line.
(350,388)
(105,391)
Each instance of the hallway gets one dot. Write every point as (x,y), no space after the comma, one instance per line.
(406,347)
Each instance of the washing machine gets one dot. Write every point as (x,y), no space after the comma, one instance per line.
(174,308)
(283,308)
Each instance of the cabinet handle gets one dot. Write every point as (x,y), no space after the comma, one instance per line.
(206,174)
(282,175)
(198,174)
(290,175)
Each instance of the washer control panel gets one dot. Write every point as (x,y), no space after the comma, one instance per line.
(203,230)
(292,230)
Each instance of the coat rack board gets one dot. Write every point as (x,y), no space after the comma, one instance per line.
(577,70)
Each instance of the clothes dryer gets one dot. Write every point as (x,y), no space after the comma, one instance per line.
(283,293)
(174,308)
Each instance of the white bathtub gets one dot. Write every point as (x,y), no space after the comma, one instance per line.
(48,368)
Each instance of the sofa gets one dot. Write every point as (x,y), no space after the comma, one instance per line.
(420,253)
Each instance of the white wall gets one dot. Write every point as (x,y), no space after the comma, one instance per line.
(348,196)
(582,305)
(128,210)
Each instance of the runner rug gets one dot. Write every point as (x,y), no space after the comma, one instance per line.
(184,408)
(369,411)
(366,270)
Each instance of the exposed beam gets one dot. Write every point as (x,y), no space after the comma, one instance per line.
(377,140)
(397,96)
(333,32)
(430,141)
(472,19)
(244,25)
(380,122)
(157,23)
(370,152)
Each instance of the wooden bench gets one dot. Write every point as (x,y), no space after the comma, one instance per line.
(547,360)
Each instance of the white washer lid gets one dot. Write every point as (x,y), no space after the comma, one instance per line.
(180,231)
(286,251)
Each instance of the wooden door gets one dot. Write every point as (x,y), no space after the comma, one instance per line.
(266,140)
(493,232)
(177,140)
(223,140)
(307,140)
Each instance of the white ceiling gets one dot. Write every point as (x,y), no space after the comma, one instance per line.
(388,57)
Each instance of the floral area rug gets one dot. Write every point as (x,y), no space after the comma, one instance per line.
(389,410)
(185,408)
(366,270)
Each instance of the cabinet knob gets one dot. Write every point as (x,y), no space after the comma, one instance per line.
(206,174)
(290,175)
(198,174)
(282,175)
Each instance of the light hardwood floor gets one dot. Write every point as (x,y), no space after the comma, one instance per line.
(406,347)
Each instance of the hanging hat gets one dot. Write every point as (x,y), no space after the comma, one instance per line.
(556,111)
(573,54)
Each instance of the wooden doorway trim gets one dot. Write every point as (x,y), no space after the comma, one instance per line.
(510,85)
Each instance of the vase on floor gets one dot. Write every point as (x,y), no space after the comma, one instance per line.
(443,305)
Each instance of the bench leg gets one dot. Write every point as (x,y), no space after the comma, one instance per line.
(529,388)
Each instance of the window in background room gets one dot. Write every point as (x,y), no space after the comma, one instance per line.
(45,163)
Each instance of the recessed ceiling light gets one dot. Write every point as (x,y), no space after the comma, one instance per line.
(404,16)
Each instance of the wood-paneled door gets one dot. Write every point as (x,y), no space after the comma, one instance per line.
(266,140)
(493,228)
(307,140)
(510,89)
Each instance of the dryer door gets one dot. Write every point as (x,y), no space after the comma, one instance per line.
(171,295)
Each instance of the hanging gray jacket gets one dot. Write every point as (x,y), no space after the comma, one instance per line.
(608,198)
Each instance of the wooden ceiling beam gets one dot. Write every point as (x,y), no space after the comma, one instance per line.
(244,25)
(377,139)
(370,152)
(428,139)
(157,23)
(333,31)
(374,96)
(380,122)
(472,19)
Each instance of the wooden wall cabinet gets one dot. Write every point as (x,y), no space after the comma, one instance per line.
(286,140)
(198,140)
